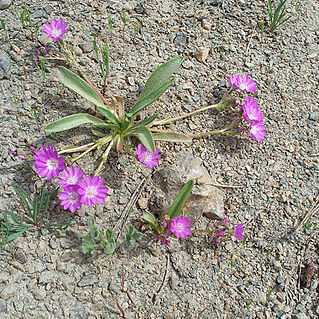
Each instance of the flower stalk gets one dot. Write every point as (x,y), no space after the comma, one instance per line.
(76,149)
(183,116)
(104,158)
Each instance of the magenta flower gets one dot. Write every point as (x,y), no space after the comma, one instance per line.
(47,163)
(251,111)
(180,226)
(91,191)
(70,176)
(70,198)
(239,232)
(147,157)
(165,241)
(55,29)
(164,224)
(242,82)
(257,130)
(222,233)
(16,154)
(225,220)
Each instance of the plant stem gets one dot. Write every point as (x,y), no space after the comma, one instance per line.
(173,119)
(84,153)
(201,231)
(216,132)
(76,149)
(104,158)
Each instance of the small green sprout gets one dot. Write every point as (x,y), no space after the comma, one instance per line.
(278,15)
(35,215)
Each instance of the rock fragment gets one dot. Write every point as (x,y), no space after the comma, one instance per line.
(202,54)
(4,4)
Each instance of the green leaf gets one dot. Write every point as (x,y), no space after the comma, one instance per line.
(88,244)
(94,231)
(144,122)
(72,121)
(145,136)
(152,97)
(161,76)
(132,235)
(16,235)
(180,199)
(108,114)
(150,218)
(78,85)
(24,198)
(109,244)
(172,137)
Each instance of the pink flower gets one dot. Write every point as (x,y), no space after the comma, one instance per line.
(16,154)
(165,241)
(164,224)
(55,29)
(242,82)
(70,176)
(47,163)
(222,233)
(147,157)
(251,111)
(91,191)
(70,198)
(180,226)
(239,232)
(225,220)
(257,130)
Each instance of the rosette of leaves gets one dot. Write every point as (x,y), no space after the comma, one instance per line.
(118,126)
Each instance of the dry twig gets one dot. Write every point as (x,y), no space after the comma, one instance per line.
(157,294)
(314,209)
(122,220)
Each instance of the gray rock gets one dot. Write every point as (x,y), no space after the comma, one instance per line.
(4,4)
(4,277)
(205,198)
(20,256)
(140,8)
(42,249)
(313,116)
(46,276)
(216,2)
(3,305)
(39,294)
(86,47)
(300,315)
(44,40)
(166,7)
(88,280)
(5,66)
(114,287)
(39,14)
(180,39)
(48,9)
(9,291)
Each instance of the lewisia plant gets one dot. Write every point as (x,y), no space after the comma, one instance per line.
(117,127)
(175,224)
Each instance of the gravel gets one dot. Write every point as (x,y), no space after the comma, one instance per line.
(48,276)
